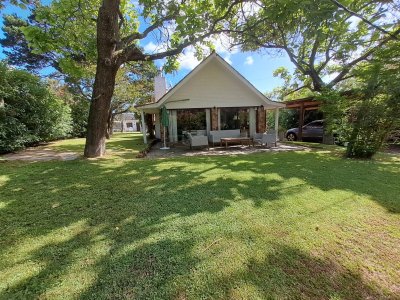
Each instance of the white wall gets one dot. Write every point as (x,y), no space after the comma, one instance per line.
(211,86)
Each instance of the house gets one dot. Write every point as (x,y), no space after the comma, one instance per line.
(126,122)
(213,97)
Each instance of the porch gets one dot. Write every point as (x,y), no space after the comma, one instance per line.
(223,122)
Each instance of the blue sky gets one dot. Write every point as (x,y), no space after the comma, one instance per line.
(256,67)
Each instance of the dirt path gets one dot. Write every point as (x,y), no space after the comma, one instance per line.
(41,153)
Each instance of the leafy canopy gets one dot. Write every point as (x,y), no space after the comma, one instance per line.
(322,40)
(67,30)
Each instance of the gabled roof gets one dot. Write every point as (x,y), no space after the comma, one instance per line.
(213,56)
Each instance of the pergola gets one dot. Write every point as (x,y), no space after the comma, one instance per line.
(303,104)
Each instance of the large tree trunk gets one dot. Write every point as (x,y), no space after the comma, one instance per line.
(103,88)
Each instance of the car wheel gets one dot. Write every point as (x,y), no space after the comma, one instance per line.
(291,137)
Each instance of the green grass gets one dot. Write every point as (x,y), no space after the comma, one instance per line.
(122,145)
(285,225)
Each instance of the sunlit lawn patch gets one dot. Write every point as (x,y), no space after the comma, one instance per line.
(283,225)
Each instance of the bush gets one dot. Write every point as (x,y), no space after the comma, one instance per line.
(79,115)
(30,113)
(366,116)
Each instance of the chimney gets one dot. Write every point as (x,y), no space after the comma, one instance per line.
(160,86)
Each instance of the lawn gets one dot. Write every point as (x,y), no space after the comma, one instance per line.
(270,225)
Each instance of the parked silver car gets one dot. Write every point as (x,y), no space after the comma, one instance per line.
(311,131)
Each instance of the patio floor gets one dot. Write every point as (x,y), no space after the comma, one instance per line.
(184,150)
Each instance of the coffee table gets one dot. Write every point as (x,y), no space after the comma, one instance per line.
(240,140)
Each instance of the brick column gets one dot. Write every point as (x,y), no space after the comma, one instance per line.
(261,120)
(214,118)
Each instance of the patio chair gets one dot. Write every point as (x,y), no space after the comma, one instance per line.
(198,141)
(265,139)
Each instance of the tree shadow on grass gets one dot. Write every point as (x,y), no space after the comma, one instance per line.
(290,273)
(128,206)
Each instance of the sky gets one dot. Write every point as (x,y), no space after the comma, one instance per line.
(256,67)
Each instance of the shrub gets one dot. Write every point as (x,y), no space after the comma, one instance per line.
(79,115)
(365,117)
(30,113)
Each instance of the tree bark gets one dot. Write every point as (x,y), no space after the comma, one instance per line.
(106,71)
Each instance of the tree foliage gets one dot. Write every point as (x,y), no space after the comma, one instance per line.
(15,45)
(323,41)
(134,85)
(372,110)
(30,113)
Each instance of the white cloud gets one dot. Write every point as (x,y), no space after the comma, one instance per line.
(249,60)
(187,60)
(150,47)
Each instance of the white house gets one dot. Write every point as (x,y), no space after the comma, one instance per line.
(126,122)
(214,96)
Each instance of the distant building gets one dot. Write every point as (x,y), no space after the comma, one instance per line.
(126,122)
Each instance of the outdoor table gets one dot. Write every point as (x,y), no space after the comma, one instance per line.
(240,140)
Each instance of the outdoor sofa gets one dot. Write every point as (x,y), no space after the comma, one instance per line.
(216,135)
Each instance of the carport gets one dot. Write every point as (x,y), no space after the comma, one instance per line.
(303,105)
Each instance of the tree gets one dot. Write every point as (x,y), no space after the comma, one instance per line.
(372,110)
(134,85)
(78,104)
(15,45)
(322,40)
(77,90)
(20,3)
(176,25)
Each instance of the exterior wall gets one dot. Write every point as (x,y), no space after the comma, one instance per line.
(214,118)
(213,85)
(261,120)
(123,126)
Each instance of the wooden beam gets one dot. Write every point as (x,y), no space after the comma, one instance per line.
(304,103)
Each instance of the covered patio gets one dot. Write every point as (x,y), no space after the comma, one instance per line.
(211,103)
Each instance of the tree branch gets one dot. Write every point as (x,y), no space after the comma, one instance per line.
(393,35)
(347,67)
(132,51)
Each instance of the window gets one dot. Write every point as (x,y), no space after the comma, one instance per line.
(190,119)
(129,125)
(315,124)
(234,118)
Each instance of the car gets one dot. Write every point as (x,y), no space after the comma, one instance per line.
(311,131)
